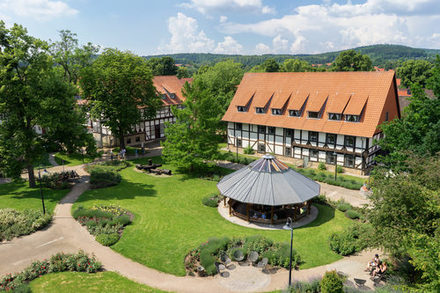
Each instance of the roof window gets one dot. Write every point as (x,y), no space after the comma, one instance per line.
(241,109)
(260,110)
(334,116)
(352,118)
(276,111)
(314,115)
(295,113)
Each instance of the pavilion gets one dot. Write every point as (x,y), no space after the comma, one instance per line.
(268,191)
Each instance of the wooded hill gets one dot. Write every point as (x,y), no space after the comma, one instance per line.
(381,55)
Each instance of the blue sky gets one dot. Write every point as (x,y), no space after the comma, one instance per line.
(231,26)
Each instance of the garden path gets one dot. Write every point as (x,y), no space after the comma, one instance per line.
(52,159)
(67,235)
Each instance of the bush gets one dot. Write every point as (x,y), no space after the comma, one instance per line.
(211,200)
(256,243)
(103,178)
(59,262)
(279,255)
(332,283)
(339,169)
(322,166)
(344,206)
(209,253)
(15,223)
(352,214)
(107,239)
(353,239)
(249,150)
(313,286)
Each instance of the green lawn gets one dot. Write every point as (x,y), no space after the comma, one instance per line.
(72,159)
(75,282)
(19,196)
(170,220)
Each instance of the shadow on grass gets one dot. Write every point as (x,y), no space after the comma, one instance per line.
(326,214)
(48,194)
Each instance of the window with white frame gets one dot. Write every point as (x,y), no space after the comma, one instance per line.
(349,141)
(314,155)
(330,138)
(349,161)
(330,158)
(241,109)
(334,116)
(288,151)
(295,113)
(276,111)
(313,136)
(260,110)
(352,118)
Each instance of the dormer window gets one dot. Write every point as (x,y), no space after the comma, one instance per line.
(314,115)
(294,113)
(352,118)
(164,96)
(241,109)
(276,111)
(172,96)
(260,110)
(334,116)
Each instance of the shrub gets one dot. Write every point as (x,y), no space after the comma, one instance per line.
(211,200)
(209,252)
(332,283)
(15,223)
(248,150)
(279,255)
(103,178)
(312,286)
(256,243)
(353,214)
(322,166)
(353,239)
(343,206)
(339,169)
(107,239)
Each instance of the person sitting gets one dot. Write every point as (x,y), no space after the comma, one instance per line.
(263,216)
(275,217)
(380,270)
(373,264)
(255,215)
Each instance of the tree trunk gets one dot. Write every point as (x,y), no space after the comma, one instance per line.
(121,142)
(31,176)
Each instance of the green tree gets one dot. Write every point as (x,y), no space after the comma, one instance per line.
(162,66)
(270,65)
(295,65)
(332,283)
(414,71)
(33,96)
(193,138)
(70,56)
(352,61)
(183,72)
(120,91)
(434,81)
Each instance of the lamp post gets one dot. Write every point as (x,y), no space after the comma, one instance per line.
(336,164)
(289,226)
(41,191)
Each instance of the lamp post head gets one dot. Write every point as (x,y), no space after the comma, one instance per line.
(289,224)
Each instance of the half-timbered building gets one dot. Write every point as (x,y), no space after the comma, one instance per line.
(330,117)
(169,89)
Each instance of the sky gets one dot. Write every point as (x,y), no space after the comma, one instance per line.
(151,27)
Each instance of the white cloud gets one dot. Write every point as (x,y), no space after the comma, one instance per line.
(38,9)
(327,27)
(223,19)
(206,6)
(228,46)
(261,49)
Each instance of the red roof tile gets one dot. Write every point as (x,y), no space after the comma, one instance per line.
(170,88)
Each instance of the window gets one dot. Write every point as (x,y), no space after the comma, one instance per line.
(271,130)
(314,115)
(330,158)
(261,129)
(172,96)
(260,110)
(330,138)
(334,116)
(128,140)
(163,96)
(276,111)
(294,113)
(238,126)
(238,142)
(314,155)
(261,148)
(241,109)
(349,161)
(313,136)
(386,116)
(349,141)
(352,118)
(288,152)
(289,132)
(138,139)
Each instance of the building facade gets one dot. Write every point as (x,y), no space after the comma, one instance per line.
(329,117)
(169,88)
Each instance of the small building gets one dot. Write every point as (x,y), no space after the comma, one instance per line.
(268,191)
(312,117)
(169,88)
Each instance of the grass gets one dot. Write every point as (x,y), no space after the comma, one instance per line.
(20,196)
(170,220)
(72,159)
(75,282)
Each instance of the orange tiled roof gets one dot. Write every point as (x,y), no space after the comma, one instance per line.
(170,88)
(369,93)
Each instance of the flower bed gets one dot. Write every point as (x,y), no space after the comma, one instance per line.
(106,223)
(15,223)
(60,262)
(210,253)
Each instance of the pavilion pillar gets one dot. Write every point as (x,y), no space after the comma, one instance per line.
(271,215)
(247,212)
(224,201)
(230,210)
(309,207)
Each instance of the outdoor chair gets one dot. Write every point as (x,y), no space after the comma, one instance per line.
(360,282)
(253,257)
(263,263)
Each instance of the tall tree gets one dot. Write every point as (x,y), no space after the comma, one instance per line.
(351,60)
(33,96)
(70,56)
(296,65)
(433,82)
(162,66)
(120,90)
(270,65)
(414,71)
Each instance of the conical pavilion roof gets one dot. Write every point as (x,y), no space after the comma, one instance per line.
(268,181)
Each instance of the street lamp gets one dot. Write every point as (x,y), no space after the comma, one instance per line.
(336,164)
(289,226)
(41,190)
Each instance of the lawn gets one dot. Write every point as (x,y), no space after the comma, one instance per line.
(20,196)
(72,159)
(170,220)
(82,282)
